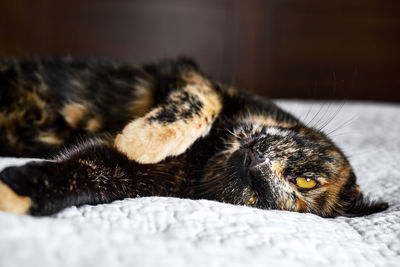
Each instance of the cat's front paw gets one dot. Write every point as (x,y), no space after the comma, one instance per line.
(152,143)
(171,128)
(10,201)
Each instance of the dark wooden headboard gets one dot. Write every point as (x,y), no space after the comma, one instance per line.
(331,49)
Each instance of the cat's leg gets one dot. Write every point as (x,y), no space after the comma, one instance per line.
(91,174)
(169,129)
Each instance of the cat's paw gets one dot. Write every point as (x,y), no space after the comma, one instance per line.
(10,201)
(170,129)
(151,143)
(18,183)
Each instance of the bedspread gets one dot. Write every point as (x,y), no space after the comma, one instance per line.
(155,231)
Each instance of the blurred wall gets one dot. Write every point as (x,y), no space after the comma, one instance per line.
(331,49)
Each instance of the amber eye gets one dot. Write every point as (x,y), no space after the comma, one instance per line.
(251,201)
(306,183)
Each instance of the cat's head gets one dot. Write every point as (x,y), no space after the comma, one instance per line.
(287,167)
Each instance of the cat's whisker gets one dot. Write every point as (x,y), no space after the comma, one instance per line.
(332,117)
(345,134)
(322,115)
(308,124)
(308,112)
(343,125)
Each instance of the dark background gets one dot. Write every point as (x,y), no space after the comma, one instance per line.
(330,49)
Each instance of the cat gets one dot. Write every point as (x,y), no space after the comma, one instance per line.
(161,129)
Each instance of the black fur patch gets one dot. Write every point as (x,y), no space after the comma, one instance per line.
(184,106)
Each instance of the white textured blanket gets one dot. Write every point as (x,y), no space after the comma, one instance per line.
(181,232)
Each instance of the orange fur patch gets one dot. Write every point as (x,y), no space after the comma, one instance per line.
(74,113)
(233,92)
(301,205)
(12,202)
(192,77)
(144,100)
(93,125)
(49,138)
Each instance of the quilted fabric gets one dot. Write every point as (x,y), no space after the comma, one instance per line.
(180,232)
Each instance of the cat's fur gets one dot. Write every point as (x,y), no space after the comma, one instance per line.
(161,130)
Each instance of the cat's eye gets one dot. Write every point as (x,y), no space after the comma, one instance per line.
(306,183)
(251,201)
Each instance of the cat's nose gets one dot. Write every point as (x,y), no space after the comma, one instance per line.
(252,158)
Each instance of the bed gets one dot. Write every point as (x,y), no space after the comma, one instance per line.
(155,231)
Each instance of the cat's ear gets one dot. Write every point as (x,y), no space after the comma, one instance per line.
(362,206)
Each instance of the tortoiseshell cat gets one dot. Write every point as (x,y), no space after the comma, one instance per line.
(160,130)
